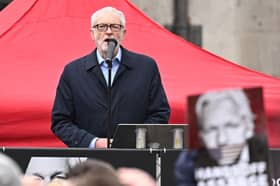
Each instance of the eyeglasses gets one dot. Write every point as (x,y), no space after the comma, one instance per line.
(104,27)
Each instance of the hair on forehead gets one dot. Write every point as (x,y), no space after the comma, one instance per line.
(104,10)
(236,96)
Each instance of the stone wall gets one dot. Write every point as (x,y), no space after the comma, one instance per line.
(246,32)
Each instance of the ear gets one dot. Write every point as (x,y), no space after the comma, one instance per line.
(123,34)
(202,137)
(92,34)
(250,129)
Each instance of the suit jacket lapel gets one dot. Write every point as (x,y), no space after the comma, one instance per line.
(125,64)
(92,65)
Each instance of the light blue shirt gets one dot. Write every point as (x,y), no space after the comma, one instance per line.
(104,67)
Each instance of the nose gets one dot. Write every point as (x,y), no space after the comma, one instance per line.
(109,30)
(222,137)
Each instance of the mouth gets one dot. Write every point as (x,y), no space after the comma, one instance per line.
(110,41)
(108,38)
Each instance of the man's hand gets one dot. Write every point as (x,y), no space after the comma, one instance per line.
(101,143)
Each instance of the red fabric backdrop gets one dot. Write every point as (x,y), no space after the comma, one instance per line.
(38,37)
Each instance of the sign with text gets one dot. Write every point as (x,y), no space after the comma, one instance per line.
(227,128)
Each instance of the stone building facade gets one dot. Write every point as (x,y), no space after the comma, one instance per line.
(246,32)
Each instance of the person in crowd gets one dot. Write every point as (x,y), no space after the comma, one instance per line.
(135,177)
(93,172)
(226,129)
(80,110)
(10,172)
(30,181)
(59,182)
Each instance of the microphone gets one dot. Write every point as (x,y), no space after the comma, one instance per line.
(112,43)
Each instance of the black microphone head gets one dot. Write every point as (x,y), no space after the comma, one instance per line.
(112,43)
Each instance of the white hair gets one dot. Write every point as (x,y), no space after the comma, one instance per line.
(107,9)
(10,172)
(239,100)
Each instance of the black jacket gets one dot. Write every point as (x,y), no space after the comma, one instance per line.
(80,108)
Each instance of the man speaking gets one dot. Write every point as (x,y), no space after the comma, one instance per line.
(80,110)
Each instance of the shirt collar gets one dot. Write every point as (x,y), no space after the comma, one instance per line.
(100,59)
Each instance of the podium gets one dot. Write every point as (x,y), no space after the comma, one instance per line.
(143,159)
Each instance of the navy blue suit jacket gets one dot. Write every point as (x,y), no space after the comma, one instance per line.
(80,108)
